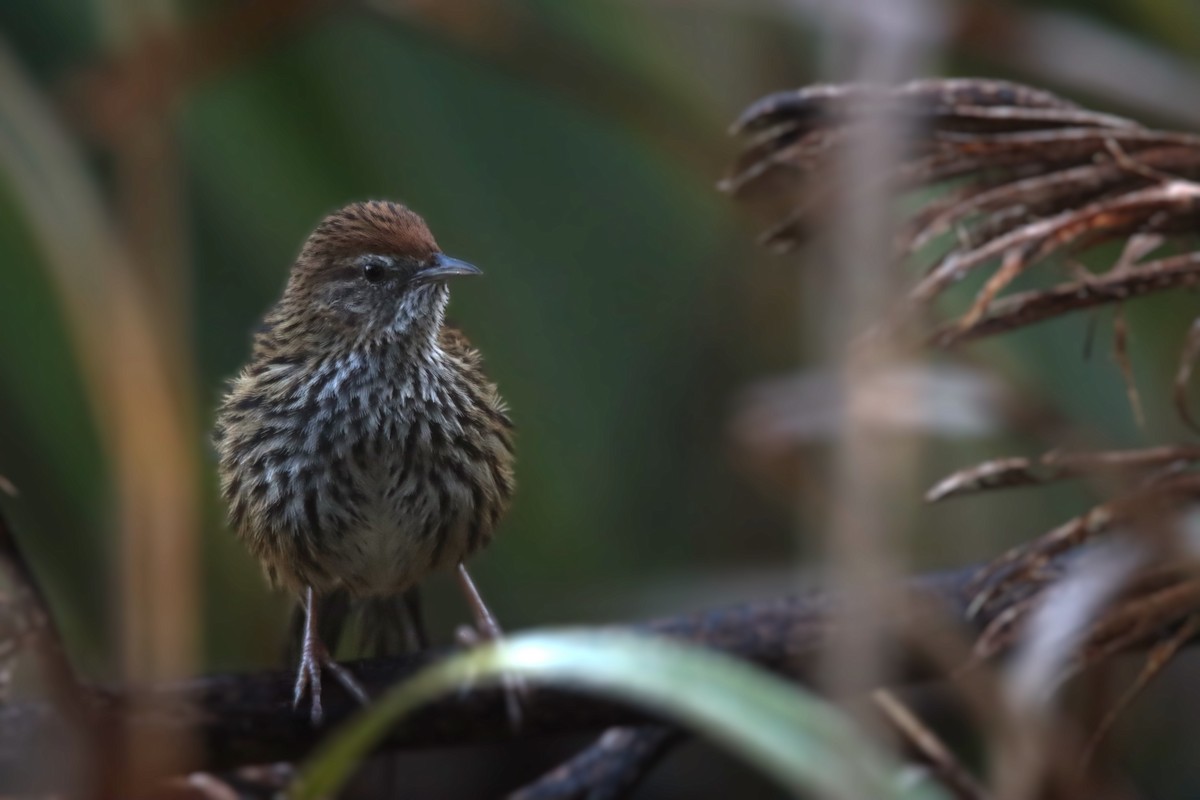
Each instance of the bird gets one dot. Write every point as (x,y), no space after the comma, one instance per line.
(362,447)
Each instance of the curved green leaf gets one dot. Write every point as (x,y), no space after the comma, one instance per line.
(802,741)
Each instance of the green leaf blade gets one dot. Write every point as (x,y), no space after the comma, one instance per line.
(788,733)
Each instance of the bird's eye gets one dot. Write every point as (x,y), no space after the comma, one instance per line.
(374,270)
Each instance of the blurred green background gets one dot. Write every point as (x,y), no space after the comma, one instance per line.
(571,149)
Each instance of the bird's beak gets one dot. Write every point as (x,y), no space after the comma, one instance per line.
(443,266)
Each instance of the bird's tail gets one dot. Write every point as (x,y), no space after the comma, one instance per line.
(393,624)
(387,625)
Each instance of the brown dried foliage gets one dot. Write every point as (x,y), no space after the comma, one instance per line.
(1145,509)
(1006,179)
(1001,473)
(1159,605)
(1026,180)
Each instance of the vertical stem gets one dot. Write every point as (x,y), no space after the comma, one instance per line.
(160,580)
(876,41)
(132,363)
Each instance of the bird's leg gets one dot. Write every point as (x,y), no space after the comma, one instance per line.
(485,622)
(488,629)
(313,656)
(308,675)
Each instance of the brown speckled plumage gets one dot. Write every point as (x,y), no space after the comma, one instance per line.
(363,447)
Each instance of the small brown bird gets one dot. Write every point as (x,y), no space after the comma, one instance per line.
(362,447)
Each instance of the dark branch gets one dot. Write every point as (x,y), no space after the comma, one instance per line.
(72,701)
(610,768)
(32,606)
(243,719)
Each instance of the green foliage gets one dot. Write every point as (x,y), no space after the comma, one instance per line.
(572,156)
(801,741)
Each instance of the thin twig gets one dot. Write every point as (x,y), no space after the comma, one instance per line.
(1125,364)
(929,745)
(1019,564)
(1057,465)
(1183,374)
(1156,660)
(1028,308)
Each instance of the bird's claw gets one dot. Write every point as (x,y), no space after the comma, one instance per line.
(516,691)
(308,678)
(487,629)
(467,636)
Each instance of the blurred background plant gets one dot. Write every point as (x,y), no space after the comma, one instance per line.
(161,160)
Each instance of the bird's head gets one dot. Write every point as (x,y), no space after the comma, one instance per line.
(370,269)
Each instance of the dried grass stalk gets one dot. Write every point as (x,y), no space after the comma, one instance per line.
(1023,179)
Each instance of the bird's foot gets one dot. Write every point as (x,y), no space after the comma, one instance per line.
(487,629)
(313,660)
(516,691)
